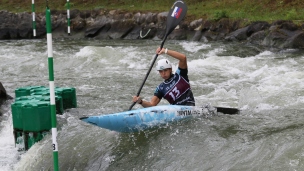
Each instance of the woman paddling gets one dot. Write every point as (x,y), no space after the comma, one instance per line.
(176,87)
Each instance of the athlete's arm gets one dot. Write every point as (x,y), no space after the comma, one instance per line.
(181,57)
(153,102)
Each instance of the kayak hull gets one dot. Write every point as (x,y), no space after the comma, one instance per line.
(145,118)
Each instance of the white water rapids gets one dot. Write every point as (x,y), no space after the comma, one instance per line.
(266,84)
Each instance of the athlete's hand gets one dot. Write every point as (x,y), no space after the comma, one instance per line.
(160,51)
(137,99)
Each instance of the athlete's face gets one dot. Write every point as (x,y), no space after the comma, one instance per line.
(166,73)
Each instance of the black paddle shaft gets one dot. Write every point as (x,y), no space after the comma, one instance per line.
(175,16)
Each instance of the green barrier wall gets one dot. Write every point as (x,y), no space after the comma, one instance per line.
(31,112)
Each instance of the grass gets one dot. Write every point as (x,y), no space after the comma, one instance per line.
(252,10)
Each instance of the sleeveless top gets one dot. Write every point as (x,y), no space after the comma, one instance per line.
(176,90)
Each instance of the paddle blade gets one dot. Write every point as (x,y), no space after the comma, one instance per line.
(176,14)
(226,110)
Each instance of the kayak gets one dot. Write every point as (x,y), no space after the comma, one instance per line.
(151,117)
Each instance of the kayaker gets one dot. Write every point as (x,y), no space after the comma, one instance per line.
(176,87)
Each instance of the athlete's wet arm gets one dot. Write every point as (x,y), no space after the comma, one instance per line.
(177,55)
(153,102)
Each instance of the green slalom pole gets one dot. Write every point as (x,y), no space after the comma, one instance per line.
(34,21)
(52,86)
(68,17)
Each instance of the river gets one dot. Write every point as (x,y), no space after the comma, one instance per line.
(265,84)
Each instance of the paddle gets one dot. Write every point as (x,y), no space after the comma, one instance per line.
(226,110)
(175,16)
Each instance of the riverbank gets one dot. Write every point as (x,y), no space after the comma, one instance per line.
(118,24)
(262,10)
(271,24)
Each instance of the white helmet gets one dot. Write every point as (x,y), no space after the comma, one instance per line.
(163,64)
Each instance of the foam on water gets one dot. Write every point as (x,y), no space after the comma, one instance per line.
(238,73)
(85,52)
(194,46)
(8,152)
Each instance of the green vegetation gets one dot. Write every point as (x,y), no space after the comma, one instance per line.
(252,10)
